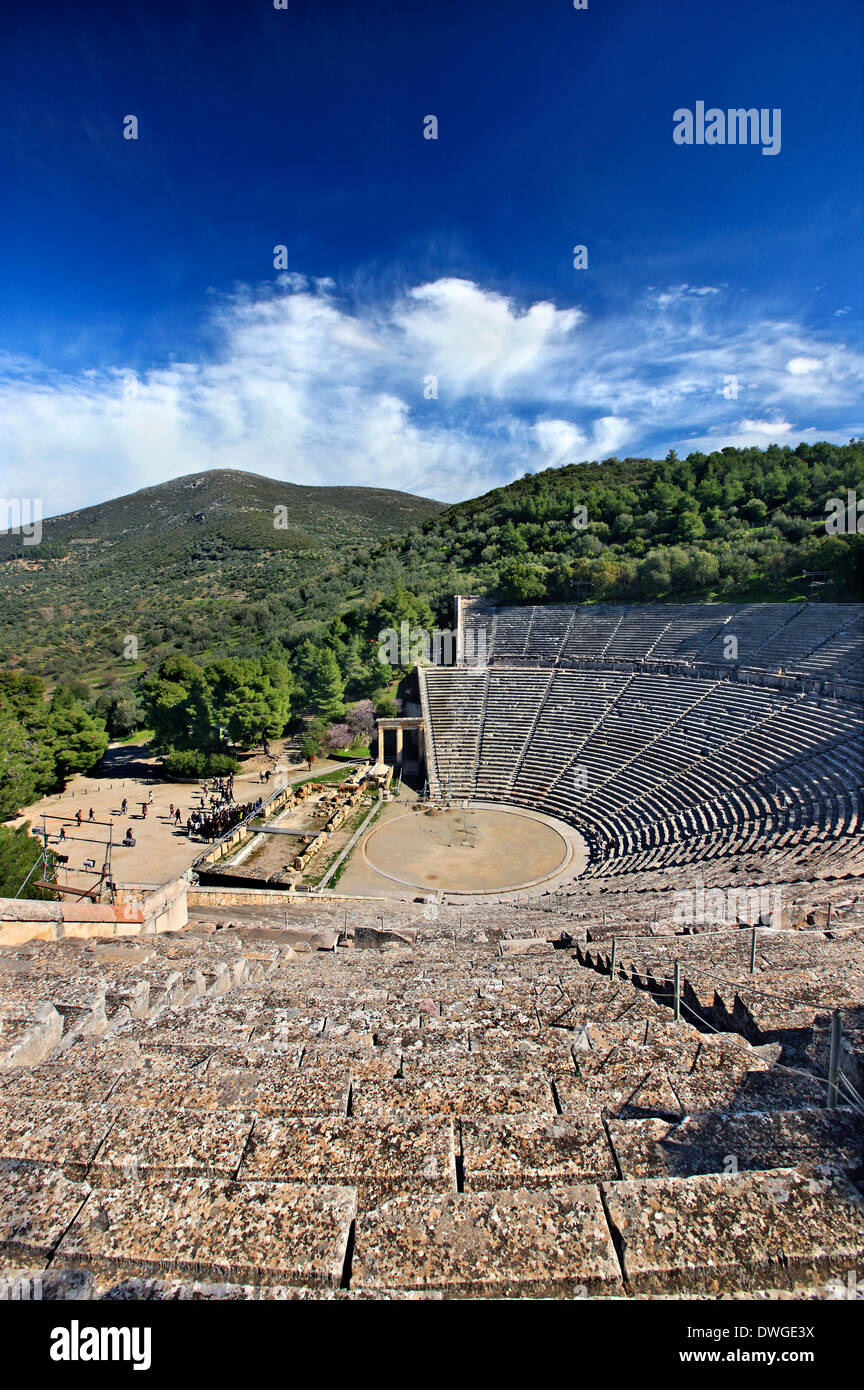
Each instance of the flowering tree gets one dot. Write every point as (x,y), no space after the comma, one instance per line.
(361,721)
(338,736)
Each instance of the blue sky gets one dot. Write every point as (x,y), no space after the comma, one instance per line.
(145,333)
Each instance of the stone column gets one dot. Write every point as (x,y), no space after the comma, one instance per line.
(398,744)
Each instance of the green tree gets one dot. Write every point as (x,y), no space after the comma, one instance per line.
(690,526)
(19,784)
(178,705)
(326,687)
(19,853)
(353,668)
(22,697)
(521,582)
(310,746)
(80,739)
(755,511)
(654,574)
(251,698)
(121,710)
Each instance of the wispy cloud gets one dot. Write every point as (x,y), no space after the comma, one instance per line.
(306,387)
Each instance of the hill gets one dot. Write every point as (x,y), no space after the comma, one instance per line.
(737,524)
(171,564)
(197,566)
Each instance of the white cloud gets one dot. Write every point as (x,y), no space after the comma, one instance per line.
(306,388)
(559,442)
(472,338)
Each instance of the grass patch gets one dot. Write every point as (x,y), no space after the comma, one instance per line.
(319,871)
(331,778)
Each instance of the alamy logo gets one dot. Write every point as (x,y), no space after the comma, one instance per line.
(77,1343)
(845,518)
(738,126)
(416,645)
(25,1288)
(853,1287)
(22,514)
(750,905)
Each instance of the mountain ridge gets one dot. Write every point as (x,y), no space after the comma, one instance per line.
(196,564)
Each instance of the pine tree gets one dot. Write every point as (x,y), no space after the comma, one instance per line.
(326,687)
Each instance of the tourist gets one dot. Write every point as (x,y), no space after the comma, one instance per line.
(124,806)
(78,819)
(91,814)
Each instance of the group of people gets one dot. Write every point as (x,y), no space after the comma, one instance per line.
(213,824)
(220,789)
(217,815)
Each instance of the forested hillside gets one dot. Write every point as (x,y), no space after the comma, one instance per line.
(740,523)
(185,611)
(179,565)
(197,566)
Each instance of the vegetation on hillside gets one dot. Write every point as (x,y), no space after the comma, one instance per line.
(197,566)
(20,854)
(735,524)
(42,742)
(243,632)
(210,564)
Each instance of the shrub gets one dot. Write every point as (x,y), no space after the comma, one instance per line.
(192,763)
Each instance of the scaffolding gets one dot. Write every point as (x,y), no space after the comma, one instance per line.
(51,862)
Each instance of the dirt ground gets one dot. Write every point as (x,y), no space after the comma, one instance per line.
(481,850)
(161,851)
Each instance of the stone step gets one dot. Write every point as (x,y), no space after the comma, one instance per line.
(714,1142)
(547,1244)
(712,1235)
(507,1094)
(378,1157)
(37,1205)
(178,1290)
(534,1151)
(200,1228)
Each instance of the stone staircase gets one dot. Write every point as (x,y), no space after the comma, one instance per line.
(447,1109)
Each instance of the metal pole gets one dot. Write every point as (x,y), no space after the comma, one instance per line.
(677,991)
(753,952)
(834,1060)
(614,954)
